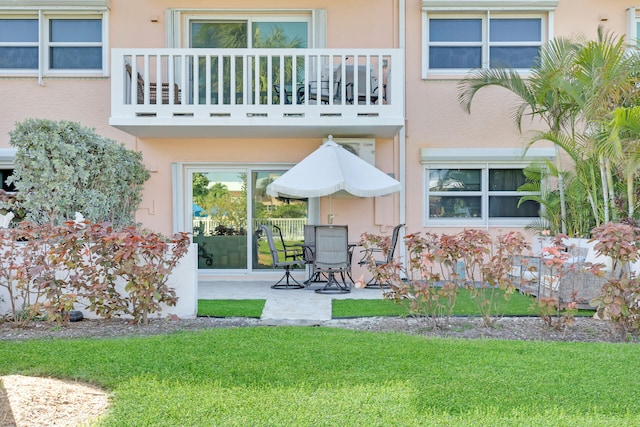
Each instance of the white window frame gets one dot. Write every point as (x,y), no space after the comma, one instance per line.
(48,44)
(633,21)
(485,10)
(483,159)
(178,22)
(484,194)
(44,17)
(250,19)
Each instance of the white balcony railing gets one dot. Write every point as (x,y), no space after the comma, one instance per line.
(164,92)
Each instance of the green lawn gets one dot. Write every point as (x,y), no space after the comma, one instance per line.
(304,376)
(517,305)
(230,307)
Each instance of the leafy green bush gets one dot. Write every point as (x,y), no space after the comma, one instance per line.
(62,168)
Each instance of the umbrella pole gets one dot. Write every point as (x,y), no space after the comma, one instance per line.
(330,216)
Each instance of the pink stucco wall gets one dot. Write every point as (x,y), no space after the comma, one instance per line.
(433,116)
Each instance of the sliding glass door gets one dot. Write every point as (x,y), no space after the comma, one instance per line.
(228,205)
(258,32)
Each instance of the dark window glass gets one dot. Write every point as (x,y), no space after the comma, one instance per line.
(516,30)
(455,180)
(505,179)
(513,56)
(455,207)
(507,207)
(4,174)
(455,57)
(76,58)
(75,30)
(23,58)
(455,30)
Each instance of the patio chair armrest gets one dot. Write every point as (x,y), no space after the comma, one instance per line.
(366,253)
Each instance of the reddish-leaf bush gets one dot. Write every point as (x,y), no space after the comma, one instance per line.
(437,266)
(51,269)
(620,298)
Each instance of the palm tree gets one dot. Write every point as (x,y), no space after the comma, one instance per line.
(624,145)
(572,89)
(545,95)
(605,76)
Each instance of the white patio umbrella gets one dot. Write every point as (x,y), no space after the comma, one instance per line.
(333,170)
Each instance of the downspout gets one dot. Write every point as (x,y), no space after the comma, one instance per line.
(40,51)
(402,134)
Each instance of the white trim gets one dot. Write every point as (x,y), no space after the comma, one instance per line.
(319,30)
(484,13)
(8,156)
(55,4)
(44,16)
(484,194)
(178,196)
(483,159)
(178,31)
(533,5)
(632,27)
(431,155)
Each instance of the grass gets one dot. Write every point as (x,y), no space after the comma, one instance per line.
(303,376)
(231,308)
(518,305)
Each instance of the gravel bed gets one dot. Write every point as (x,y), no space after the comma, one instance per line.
(511,328)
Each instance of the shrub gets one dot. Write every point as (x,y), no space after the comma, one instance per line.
(620,298)
(438,265)
(550,309)
(49,269)
(62,168)
(487,264)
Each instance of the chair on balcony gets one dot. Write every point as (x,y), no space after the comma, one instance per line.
(153,90)
(287,281)
(321,90)
(369,259)
(362,85)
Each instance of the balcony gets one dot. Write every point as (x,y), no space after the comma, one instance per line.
(198,93)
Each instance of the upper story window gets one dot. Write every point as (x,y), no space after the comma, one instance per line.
(228,28)
(271,33)
(46,42)
(482,35)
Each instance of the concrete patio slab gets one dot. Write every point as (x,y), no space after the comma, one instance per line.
(283,306)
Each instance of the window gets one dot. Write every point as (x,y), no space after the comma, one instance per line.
(4,174)
(53,43)
(486,41)
(19,44)
(478,186)
(483,34)
(479,194)
(75,44)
